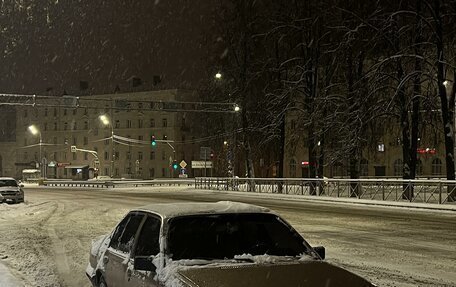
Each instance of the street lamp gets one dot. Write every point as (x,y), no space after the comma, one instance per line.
(107,122)
(218,76)
(35,131)
(237,108)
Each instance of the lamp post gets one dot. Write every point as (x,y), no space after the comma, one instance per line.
(35,131)
(105,120)
(236,109)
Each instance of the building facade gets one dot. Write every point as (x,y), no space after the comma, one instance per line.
(110,134)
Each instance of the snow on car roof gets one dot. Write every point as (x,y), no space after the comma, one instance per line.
(193,208)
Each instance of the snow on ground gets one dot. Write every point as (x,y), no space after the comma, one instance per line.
(46,241)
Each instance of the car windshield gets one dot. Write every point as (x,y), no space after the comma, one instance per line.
(8,182)
(223,236)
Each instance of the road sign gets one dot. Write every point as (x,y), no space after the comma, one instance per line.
(73,148)
(201,164)
(183,164)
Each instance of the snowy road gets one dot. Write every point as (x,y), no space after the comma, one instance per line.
(45,241)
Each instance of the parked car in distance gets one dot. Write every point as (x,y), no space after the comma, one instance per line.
(210,244)
(11,190)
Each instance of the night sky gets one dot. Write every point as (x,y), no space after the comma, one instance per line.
(50,46)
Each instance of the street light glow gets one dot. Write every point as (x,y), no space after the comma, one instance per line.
(237,108)
(104,119)
(218,76)
(33,129)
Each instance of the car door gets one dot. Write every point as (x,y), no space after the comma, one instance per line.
(120,248)
(147,246)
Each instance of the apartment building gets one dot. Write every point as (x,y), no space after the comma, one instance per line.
(110,134)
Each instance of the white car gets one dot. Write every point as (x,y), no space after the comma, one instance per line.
(207,245)
(11,190)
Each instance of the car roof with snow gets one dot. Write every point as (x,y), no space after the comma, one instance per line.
(167,210)
(7,178)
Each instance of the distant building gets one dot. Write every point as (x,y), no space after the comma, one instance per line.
(128,117)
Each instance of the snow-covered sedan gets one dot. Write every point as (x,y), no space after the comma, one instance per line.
(10,190)
(226,244)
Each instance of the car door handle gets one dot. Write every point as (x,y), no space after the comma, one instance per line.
(105,260)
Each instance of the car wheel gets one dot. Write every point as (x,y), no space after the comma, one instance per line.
(101,282)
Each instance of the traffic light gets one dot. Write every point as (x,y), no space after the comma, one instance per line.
(153,143)
(175,165)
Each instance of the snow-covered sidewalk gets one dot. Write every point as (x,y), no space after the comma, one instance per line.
(7,279)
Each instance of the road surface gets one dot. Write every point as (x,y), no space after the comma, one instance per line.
(46,241)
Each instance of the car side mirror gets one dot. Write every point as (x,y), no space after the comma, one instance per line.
(320,250)
(144,263)
(21,185)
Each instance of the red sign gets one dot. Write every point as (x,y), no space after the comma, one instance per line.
(63,164)
(305,163)
(426,151)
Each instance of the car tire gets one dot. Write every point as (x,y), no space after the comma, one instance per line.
(102,282)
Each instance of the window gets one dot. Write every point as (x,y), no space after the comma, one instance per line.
(381,147)
(55,112)
(75,126)
(293,125)
(45,126)
(75,112)
(75,140)
(128,155)
(25,156)
(86,140)
(86,125)
(106,155)
(64,112)
(292,168)
(25,113)
(55,126)
(124,234)
(45,112)
(140,106)
(152,155)
(140,138)
(117,124)
(75,156)
(148,240)
(398,167)
(419,167)
(364,167)
(128,124)
(140,155)
(140,123)
(152,123)
(163,172)
(86,156)
(151,172)
(165,122)
(116,155)
(65,126)
(436,166)
(54,140)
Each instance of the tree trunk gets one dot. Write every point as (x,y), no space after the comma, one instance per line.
(447,104)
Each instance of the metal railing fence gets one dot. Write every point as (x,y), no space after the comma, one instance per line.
(423,191)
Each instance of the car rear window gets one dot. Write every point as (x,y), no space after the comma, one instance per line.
(8,182)
(223,236)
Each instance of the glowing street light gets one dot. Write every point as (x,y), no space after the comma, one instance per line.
(218,76)
(106,122)
(237,108)
(35,131)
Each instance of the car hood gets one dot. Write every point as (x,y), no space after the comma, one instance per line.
(289,274)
